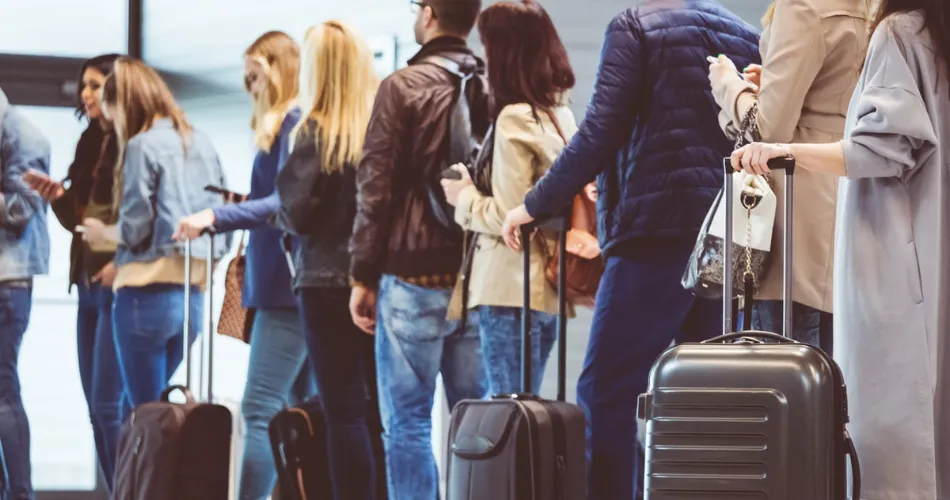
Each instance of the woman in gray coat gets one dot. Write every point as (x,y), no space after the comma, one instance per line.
(892,260)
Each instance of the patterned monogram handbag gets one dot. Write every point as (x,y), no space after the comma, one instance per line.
(235,321)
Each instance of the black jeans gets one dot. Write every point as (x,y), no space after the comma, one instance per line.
(342,357)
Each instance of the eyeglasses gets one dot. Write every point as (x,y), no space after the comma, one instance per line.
(416,7)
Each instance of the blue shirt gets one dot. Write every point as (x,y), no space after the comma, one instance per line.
(267,283)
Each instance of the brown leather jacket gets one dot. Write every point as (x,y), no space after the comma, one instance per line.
(406,144)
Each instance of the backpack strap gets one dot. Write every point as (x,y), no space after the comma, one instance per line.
(448,65)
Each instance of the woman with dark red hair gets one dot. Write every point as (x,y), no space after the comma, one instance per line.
(529,76)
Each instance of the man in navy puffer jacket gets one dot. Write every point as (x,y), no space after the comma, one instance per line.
(651,137)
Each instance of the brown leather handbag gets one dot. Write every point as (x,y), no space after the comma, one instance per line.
(584,263)
(235,321)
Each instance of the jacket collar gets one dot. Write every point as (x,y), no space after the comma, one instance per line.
(453,47)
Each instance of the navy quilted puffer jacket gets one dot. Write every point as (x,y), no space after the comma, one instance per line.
(651,136)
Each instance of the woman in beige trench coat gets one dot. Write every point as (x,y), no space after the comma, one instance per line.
(892,260)
(811,58)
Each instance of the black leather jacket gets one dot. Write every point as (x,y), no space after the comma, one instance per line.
(319,207)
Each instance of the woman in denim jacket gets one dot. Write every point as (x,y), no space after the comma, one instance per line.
(278,369)
(87,192)
(164,165)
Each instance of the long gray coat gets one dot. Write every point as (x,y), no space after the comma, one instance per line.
(892,267)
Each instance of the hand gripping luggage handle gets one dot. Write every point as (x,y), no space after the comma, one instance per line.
(211,232)
(561,225)
(786,164)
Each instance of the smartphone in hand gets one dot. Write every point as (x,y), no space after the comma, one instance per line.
(451,174)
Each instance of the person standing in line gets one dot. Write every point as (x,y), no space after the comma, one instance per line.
(529,76)
(24,248)
(652,140)
(811,57)
(892,261)
(317,190)
(164,165)
(403,260)
(87,192)
(278,372)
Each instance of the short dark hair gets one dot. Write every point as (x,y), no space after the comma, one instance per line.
(527,62)
(102,64)
(456,17)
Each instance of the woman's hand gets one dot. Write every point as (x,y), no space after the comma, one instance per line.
(43,184)
(97,232)
(105,277)
(511,230)
(190,228)
(453,187)
(753,75)
(754,158)
(721,73)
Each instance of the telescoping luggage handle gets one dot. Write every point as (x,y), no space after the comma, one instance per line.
(786,164)
(561,225)
(210,232)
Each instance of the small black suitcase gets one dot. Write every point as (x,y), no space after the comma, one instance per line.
(520,446)
(172,451)
(299,443)
(749,414)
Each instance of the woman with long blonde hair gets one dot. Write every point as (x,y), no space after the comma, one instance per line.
(163,166)
(811,58)
(317,190)
(278,371)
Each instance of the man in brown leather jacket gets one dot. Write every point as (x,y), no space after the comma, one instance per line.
(403,260)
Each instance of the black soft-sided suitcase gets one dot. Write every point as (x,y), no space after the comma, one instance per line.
(172,451)
(749,414)
(520,446)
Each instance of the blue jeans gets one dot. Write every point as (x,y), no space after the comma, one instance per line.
(277,375)
(641,308)
(149,325)
(340,353)
(809,325)
(99,373)
(15,305)
(414,343)
(500,332)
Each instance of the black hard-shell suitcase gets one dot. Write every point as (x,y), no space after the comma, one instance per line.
(750,414)
(172,451)
(520,446)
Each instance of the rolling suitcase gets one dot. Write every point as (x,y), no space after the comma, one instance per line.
(520,446)
(172,451)
(749,414)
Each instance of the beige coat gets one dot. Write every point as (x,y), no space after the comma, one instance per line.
(524,150)
(811,58)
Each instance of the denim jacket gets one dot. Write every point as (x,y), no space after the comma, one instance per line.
(163,181)
(24,239)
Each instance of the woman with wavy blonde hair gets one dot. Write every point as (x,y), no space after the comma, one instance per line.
(164,164)
(317,190)
(278,372)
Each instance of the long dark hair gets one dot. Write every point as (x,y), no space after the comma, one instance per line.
(527,62)
(936,15)
(102,64)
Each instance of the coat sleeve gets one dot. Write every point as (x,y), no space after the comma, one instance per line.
(374,180)
(517,137)
(137,211)
(606,128)
(23,147)
(893,133)
(796,55)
